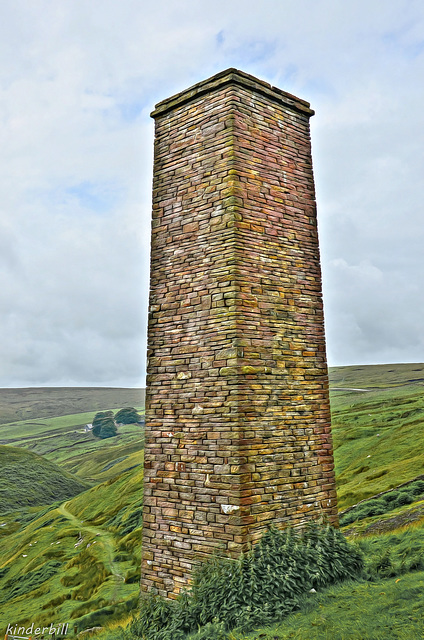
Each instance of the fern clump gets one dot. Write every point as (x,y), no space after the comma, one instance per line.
(261,586)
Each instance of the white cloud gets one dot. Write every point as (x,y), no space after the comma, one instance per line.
(78,80)
(373,316)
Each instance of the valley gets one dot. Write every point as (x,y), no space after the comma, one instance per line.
(70,518)
(75,556)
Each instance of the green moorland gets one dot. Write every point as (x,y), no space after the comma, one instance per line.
(386,609)
(377,426)
(65,441)
(28,480)
(50,402)
(75,556)
(78,560)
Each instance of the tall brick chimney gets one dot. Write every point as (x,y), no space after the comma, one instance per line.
(237,407)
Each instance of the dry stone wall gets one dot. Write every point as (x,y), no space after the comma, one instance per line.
(237,409)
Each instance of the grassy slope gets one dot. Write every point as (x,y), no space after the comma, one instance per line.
(377,433)
(64,441)
(43,575)
(29,480)
(390,609)
(76,561)
(392,407)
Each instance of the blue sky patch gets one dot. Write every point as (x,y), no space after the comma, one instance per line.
(130,111)
(98,197)
(400,41)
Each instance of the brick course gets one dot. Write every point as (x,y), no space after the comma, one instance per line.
(237,408)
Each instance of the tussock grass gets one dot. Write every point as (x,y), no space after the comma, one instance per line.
(130,542)
(393,554)
(24,584)
(391,609)
(104,501)
(100,615)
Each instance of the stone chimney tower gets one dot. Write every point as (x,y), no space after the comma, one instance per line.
(237,406)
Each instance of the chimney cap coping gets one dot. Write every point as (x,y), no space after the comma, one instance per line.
(232,76)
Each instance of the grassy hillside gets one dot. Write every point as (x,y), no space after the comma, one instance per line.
(65,441)
(375,376)
(389,609)
(377,425)
(48,402)
(374,592)
(77,561)
(29,480)
(73,561)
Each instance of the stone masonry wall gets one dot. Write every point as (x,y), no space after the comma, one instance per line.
(237,408)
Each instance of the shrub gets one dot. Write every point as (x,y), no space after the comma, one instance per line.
(417,488)
(384,504)
(377,507)
(403,497)
(100,416)
(108,429)
(370,508)
(390,497)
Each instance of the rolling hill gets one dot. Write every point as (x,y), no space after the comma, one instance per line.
(65,441)
(29,480)
(78,559)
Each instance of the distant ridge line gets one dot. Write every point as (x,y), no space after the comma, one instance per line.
(26,403)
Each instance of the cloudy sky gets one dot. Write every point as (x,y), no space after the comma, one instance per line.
(78,81)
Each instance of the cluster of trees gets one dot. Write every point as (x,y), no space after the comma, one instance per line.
(105,422)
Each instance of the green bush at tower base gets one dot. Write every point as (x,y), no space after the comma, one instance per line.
(261,586)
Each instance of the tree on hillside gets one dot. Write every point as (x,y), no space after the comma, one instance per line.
(108,428)
(127,415)
(100,416)
(104,425)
